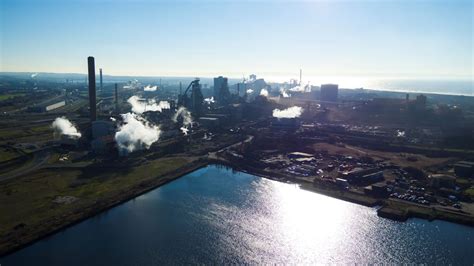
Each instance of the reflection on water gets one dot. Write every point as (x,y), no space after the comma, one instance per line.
(450,86)
(215,215)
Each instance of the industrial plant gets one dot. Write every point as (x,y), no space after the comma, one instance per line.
(101,146)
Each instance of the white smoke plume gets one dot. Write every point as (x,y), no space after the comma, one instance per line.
(136,133)
(63,126)
(249,91)
(113,119)
(139,106)
(400,133)
(209,100)
(34,75)
(133,84)
(284,93)
(185,114)
(185,130)
(150,88)
(264,92)
(291,112)
(298,88)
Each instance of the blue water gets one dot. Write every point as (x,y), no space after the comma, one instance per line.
(217,216)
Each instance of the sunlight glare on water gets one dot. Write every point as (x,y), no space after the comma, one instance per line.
(217,216)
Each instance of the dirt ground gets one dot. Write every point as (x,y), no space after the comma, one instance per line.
(401,159)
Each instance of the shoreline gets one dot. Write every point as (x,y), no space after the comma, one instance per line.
(389,209)
(78,216)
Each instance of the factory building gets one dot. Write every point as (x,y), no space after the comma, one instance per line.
(194,102)
(46,107)
(102,128)
(221,91)
(288,124)
(209,122)
(329,92)
(464,169)
(102,136)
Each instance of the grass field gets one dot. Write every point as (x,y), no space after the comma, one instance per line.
(29,200)
(6,155)
(9,96)
(33,133)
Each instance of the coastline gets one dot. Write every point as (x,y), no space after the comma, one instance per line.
(17,242)
(400,212)
(389,209)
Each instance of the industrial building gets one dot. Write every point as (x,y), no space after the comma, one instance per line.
(209,122)
(50,106)
(329,92)
(193,102)
(464,169)
(221,91)
(289,124)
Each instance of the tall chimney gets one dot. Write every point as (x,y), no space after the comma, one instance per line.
(92,98)
(301,73)
(100,70)
(116,97)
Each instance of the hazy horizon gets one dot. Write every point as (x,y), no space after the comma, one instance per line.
(274,40)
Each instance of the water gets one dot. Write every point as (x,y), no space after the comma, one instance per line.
(448,86)
(216,216)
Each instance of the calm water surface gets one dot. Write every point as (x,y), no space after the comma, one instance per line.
(215,215)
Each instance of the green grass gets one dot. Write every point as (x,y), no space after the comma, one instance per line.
(29,199)
(9,96)
(469,192)
(32,133)
(6,155)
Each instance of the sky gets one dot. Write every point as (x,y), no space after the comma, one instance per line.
(411,38)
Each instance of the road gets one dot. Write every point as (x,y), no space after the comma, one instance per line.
(213,155)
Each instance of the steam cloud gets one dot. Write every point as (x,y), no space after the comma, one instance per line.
(400,133)
(185,114)
(284,93)
(63,126)
(150,88)
(297,88)
(249,91)
(34,75)
(133,84)
(264,92)
(136,133)
(291,112)
(185,130)
(187,119)
(139,106)
(209,100)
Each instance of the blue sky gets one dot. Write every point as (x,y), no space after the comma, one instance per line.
(233,38)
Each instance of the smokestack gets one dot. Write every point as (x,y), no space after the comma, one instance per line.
(301,73)
(116,97)
(180,88)
(238,89)
(100,70)
(92,98)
